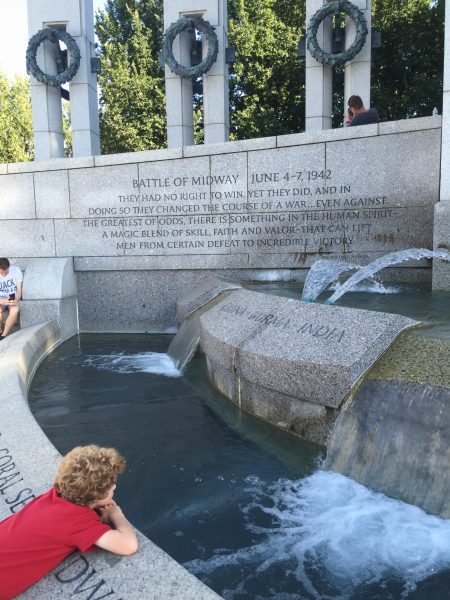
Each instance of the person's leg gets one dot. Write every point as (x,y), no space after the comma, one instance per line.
(3,313)
(11,320)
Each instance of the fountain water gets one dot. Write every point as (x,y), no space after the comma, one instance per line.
(169,364)
(187,338)
(184,344)
(321,274)
(387,260)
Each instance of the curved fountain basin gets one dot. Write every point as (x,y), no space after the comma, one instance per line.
(28,466)
(196,484)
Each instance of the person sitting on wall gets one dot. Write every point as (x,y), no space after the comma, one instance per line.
(358,115)
(10,293)
(77,513)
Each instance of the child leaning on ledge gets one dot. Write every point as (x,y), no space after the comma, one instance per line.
(78,513)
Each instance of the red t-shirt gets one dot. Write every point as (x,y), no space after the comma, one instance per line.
(40,536)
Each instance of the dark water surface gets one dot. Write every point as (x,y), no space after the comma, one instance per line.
(241,504)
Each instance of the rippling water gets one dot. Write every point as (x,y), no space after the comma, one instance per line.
(240,503)
(330,537)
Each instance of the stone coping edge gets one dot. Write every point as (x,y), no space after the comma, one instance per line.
(30,466)
(263,143)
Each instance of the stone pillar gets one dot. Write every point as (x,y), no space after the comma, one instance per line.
(215,82)
(179,101)
(318,77)
(83,87)
(76,17)
(357,71)
(47,109)
(441,269)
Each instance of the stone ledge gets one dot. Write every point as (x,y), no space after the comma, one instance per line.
(150,573)
(137,157)
(294,139)
(327,135)
(55,164)
(201,295)
(390,127)
(312,352)
(230,147)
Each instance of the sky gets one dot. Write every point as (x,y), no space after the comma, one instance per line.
(14,37)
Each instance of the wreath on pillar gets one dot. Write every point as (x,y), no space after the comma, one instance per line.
(336,7)
(53,35)
(171,33)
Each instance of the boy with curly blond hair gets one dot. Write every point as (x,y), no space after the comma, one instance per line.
(77,513)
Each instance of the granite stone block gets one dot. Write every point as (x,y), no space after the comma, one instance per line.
(63,310)
(52,195)
(417,124)
(286,178)
(310,421)
(224,380)
(101,192)
(17,197)
(229,147)
(229,186)
(28,238)
(310,351)
(135,157)
(49,278)
(178,182)
(105,302)
(223,332)
(88,237)
(175,262)
(202,294)
(186,234)
(304,260)
(306,419)
(338,231)
(326,135)
(387,170)
(53,164)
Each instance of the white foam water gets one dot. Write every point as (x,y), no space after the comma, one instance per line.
(374,287)
(157,363)
(275,275)
(334,536)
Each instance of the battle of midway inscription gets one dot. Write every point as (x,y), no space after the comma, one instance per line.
(274,201)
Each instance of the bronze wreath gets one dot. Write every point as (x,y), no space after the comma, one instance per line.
(72,49)
(328,58)
(213,47)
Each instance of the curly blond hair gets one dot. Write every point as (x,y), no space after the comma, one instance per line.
(87,473)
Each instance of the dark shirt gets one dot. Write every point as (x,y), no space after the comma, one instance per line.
(365,118)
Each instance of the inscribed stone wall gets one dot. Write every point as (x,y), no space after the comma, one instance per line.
(275,205)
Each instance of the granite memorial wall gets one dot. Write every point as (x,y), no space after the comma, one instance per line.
(268,203)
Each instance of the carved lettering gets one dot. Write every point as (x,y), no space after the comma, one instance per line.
(294,212)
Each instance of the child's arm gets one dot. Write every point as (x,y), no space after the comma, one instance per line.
(122,539)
